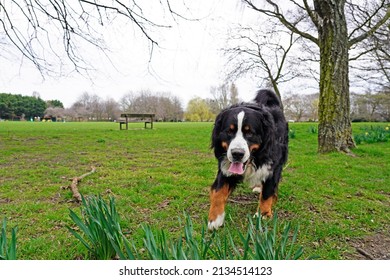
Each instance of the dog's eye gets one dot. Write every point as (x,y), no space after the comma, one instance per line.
(232,129)
(247,131)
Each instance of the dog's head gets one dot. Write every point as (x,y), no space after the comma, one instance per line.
(240,132)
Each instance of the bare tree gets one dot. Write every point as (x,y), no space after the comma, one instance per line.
(89,106)
(220,96)
(334,41)
(261,52)
(298,107)
(77,112)
(223,96)
(126,100)
(371,106)
(233,94)
(111,109)
(31,26)
(162,104)
(55,112)
(294,107)
(212,105)
(172,108)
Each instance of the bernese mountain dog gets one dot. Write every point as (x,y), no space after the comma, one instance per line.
(250,141)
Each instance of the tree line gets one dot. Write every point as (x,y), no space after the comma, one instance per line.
(365,107)
(17,106)
(164,105)
(91,107)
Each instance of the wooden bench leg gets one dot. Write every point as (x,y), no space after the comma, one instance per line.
(121,124)
(151,125)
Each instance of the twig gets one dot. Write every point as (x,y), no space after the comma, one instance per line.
(242,202)
(364,253)
(73,186)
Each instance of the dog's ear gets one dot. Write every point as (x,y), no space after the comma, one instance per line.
(216,131)
(216,142)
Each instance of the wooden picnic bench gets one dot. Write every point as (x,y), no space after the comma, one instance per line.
(128,116)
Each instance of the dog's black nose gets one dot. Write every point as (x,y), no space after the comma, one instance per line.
(238,154)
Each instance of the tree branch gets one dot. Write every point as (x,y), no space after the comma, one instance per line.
(27,25)
(73,186)
(372,30)
(276,14)
(312,14)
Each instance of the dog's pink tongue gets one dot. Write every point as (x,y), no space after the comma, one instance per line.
(236,168)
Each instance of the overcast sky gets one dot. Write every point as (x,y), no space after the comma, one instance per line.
(187,63)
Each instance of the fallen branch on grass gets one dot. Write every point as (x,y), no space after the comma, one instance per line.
(242,202)
(73,186)
(364,253)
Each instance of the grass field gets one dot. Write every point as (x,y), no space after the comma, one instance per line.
(156,175)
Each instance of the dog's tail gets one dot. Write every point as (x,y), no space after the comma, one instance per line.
(267,98)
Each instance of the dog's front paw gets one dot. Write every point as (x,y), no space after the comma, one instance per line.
(264,216)
(218,222)
(257,188)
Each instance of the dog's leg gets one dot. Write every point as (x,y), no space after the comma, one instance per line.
(218,198)
(267,198)
(265,205)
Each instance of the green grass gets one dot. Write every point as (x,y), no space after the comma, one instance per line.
(156,175)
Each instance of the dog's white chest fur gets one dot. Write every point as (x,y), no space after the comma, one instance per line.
(256,178)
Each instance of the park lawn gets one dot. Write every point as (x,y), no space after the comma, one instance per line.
(157,175)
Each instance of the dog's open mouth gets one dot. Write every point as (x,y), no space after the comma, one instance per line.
(237,167)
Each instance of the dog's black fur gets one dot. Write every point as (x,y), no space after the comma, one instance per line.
(265,131)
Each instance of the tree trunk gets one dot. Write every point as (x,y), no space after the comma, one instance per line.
(335,129)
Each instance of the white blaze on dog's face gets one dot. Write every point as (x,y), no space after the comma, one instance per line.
(238,151)
(237,137)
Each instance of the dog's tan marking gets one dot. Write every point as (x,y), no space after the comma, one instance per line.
(225,145)
(218,200)
(265,205)
(254,147)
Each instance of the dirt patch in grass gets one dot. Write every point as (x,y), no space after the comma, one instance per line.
(244,198)
(375,247)
(5,200)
